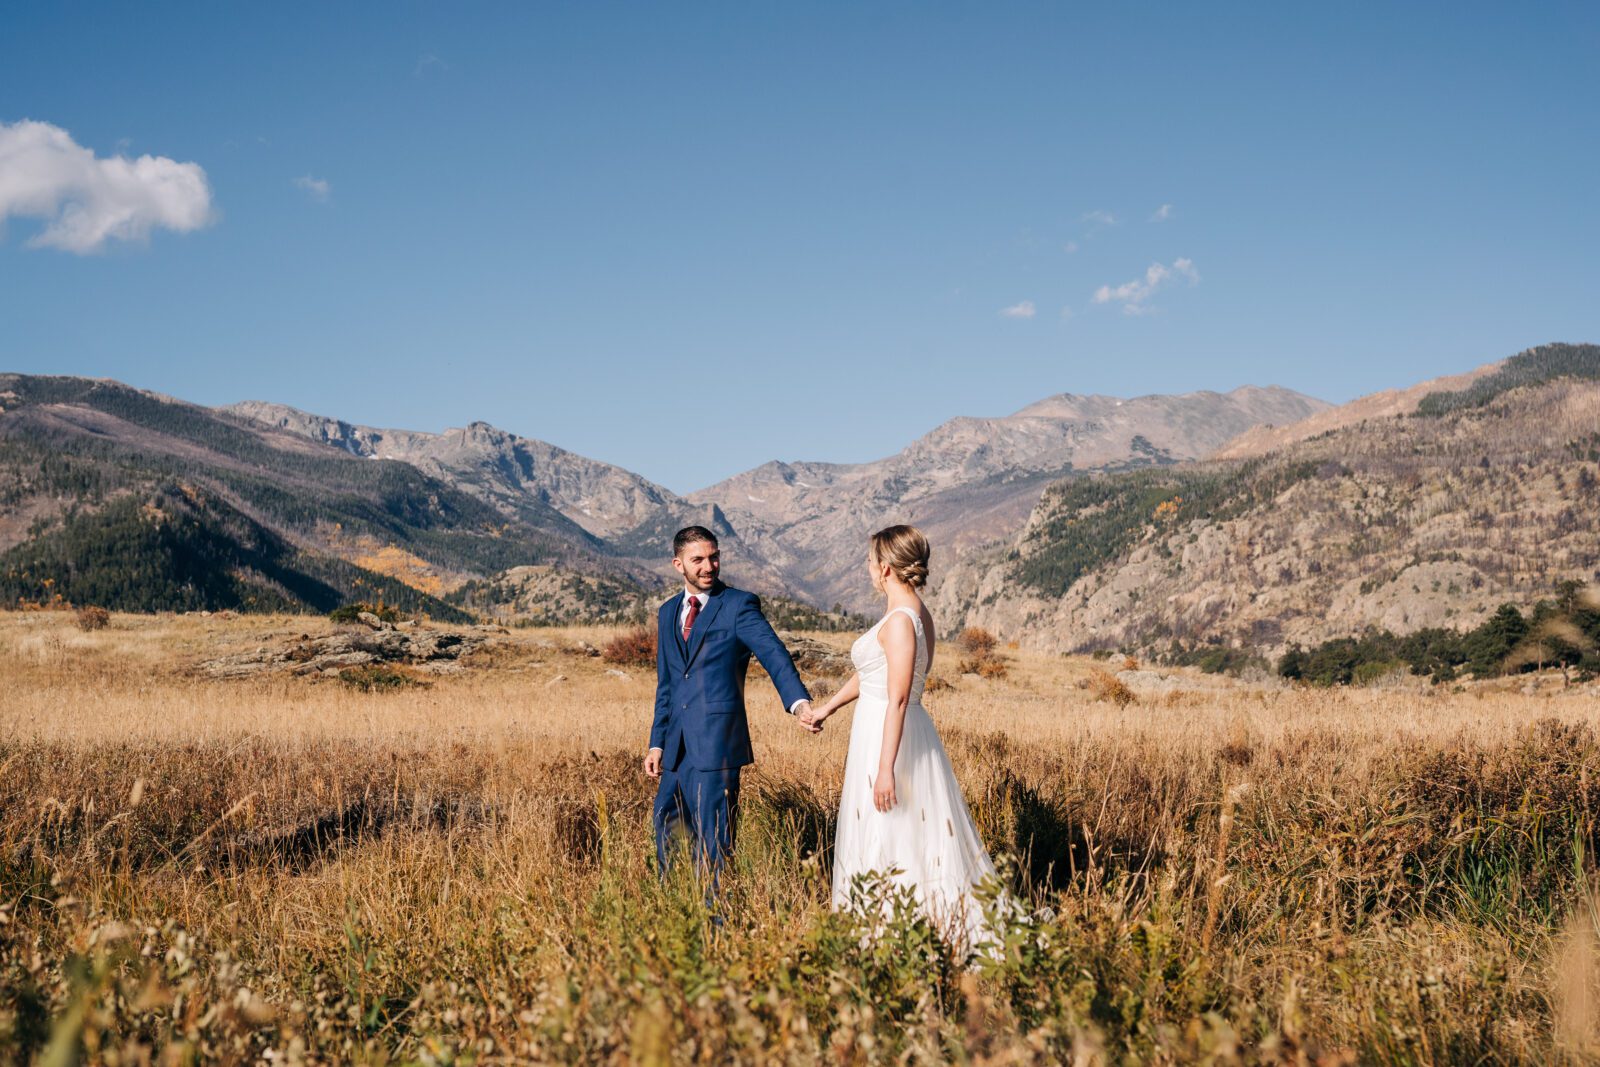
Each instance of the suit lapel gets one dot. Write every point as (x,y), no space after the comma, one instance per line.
(702,623)
(674,614)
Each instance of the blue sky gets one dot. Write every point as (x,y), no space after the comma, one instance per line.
(692,238)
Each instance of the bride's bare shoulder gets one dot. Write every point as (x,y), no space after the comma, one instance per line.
(896,626)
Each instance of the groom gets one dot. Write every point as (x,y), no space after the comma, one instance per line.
(700,738)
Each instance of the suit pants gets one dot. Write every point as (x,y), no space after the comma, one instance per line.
(704,804)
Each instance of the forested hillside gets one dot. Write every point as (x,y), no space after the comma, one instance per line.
(133,501)
(1433,520)
(173,549)
(1536,366)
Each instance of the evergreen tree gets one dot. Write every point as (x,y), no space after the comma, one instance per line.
(1488,646)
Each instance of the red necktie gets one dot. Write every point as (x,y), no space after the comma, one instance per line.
(694,613)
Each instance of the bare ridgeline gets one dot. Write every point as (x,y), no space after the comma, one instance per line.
(242,836)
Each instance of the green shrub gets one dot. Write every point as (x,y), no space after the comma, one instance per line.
(1496,647)
(378,678)
(1214,659)
(1374,671)
(347,613)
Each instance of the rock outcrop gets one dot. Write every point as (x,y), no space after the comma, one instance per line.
(432,651)
(813,658)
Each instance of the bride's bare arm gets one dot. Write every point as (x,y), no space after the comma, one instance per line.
(848,692)
(899,641)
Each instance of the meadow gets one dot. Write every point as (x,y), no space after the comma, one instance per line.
(295,870)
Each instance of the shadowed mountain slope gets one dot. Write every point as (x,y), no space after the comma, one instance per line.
(83,462)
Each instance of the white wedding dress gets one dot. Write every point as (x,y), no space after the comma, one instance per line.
(927,841)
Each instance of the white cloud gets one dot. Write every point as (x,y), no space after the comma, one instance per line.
(428,62)
(86,201)
(1066,312)
(1024,310)
(1070,247)
(1100,218)
(1162,214)
(1134,296)
(317,189)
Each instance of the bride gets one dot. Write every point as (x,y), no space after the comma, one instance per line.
(901,813)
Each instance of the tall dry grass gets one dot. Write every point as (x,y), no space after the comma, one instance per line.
(304,871)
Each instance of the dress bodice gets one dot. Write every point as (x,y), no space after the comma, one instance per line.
(873,663)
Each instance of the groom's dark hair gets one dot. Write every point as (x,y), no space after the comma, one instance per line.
(689,535)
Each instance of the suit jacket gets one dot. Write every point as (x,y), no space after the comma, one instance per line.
(700,718)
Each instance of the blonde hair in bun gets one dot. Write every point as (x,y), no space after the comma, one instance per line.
(906,552)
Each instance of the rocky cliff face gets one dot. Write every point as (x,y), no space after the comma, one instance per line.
(1400,523)
(630,518)
(972,481)
(494,465)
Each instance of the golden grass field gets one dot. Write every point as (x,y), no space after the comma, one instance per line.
(297,871)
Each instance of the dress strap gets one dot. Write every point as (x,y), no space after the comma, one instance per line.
(916,616)
(922,639)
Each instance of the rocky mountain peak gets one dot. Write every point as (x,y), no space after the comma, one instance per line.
(495,465)
(974,479)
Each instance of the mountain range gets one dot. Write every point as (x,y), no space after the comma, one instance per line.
(1411,509)
(789,526)
(1258,515)
(125,498)
(973,481)
(113,494)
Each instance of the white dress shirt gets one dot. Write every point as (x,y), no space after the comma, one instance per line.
(683,612)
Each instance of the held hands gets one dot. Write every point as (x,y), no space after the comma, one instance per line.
(810,718)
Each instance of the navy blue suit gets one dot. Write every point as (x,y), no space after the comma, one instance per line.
(700,724)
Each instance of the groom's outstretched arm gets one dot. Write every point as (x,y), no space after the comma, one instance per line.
(757,634)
